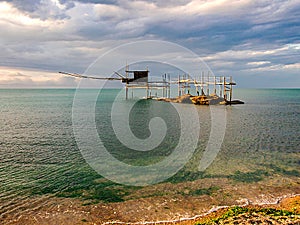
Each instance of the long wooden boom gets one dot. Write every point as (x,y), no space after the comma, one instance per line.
(91,77)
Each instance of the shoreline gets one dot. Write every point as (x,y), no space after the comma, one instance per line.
(213,210)
(170,208)
(283,203)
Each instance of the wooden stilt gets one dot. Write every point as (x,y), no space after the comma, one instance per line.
(224,88)
(215,88)
(230,93)
(207,84)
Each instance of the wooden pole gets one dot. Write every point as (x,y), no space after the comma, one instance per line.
(225,94)
(169,88)
(163,89)
(195,82)
(202,83)
(166,84)
(221,87)
(189,87)
(230,97)
(207,87)
(178,85)
(126,85)
(215,88)
(147,90)
(184,84)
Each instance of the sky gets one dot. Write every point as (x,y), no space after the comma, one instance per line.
(257,42)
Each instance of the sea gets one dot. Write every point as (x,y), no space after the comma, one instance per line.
(40,157)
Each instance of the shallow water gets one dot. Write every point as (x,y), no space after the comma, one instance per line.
(40,157)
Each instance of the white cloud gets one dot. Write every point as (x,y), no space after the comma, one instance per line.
(245,54)
(13,16)
(111,12)
(259,63)
(292,66)
(294,46)
(214,7)
(278,67)
(12,77)
(18,26)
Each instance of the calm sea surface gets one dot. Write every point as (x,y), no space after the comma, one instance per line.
(39,155)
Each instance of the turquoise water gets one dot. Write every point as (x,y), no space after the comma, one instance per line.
(39,155)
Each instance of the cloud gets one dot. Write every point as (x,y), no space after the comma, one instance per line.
(174,21)
(279,67)
(259,63)
(28,6)
(11,77)
(293,66)
(43,9)
(107,2)
(236,35)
